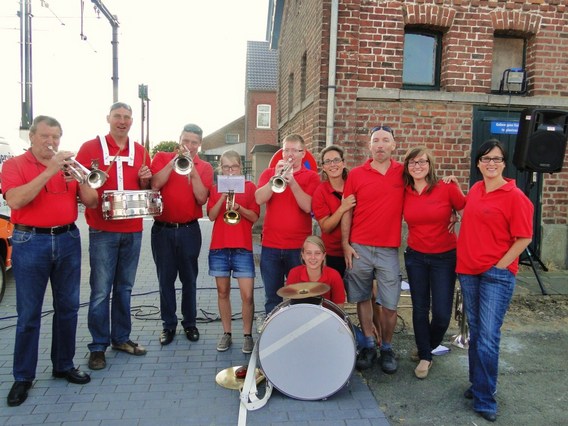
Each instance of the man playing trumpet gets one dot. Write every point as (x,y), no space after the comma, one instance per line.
(47,247)
(184,181)
(288,220)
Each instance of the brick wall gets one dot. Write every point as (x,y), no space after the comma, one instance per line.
(254,135)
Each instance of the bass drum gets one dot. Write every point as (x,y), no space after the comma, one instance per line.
(307,351)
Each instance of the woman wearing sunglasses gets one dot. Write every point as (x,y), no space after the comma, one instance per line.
(496,228)
(430,255)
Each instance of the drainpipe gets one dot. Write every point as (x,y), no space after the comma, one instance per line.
(331,74)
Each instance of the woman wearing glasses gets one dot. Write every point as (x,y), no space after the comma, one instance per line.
(430,255)
(496,228)
(329,206)
(231,250)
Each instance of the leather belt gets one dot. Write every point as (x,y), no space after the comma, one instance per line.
(174,225)
(56,230)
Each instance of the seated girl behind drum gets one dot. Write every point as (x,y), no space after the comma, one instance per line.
(314,269)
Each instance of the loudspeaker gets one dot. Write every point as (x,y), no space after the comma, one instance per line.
(541,140)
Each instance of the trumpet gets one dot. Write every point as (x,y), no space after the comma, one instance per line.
(94,178)
(231,216)
(183,164)
(277,182)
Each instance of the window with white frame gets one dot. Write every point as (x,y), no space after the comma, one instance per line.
(231,138)
(263,116)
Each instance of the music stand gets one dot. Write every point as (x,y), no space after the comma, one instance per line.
(528,252)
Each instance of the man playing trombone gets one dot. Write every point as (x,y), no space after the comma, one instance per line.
(184,181)
(46,247)
(287,192)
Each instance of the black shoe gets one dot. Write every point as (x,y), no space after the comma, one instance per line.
(167,336)
(192,333)
(366,358)
(468,394)
(487,415)
(388,362)
(18,393)
(73,375)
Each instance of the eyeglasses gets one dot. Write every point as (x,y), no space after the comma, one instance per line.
(421,163)
(231,168)
(329,162)
(293,151)
(496,160)
(385,128)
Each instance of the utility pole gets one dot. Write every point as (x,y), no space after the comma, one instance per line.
(113,20)
(26,67)
(145,112)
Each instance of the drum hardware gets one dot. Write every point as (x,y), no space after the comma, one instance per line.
(131,204)
(460,340)
(94,178)
(234,377)
(231,216)
(183,164)
(277,182)
(302,290)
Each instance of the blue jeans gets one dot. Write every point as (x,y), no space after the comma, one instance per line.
(274,267)
(239,261)
(176,250)
(486,299)
(114,260)
(432,280)
(36,259)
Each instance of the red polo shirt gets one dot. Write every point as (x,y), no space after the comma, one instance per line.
(286,226)
(54,205)
(491,222)
(377,216)
(179,203)
(92,150)
(329,276)
(325,202)
(233,236)
(428,217)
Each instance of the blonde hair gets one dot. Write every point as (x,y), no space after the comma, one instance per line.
(228,154)
(316,241)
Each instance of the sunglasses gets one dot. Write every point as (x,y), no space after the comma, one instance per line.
(385,128)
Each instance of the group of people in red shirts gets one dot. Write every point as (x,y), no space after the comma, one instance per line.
(360,215)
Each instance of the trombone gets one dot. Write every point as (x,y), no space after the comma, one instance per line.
(183,164)
(277,182)
(231,216)
(94,178)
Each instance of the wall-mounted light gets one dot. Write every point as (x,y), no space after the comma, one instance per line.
(513,82)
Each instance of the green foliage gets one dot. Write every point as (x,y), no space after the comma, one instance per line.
(165,146)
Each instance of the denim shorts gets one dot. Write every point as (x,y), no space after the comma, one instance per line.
(379,263)
(238,260)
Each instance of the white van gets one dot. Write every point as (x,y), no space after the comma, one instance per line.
(7,150)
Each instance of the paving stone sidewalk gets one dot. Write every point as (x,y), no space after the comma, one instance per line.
(171,385)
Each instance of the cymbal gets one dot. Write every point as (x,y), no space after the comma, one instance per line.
(228,377)
(303,290)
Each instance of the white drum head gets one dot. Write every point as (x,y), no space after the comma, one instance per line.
(306,351)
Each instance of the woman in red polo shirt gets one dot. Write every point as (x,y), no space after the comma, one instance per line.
(231,251)
(430,255)
(329,206)
(314,269)
(496,228)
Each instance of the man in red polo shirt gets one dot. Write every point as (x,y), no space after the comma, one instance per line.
(47,247)
(114,245)
(288,220)
(176,236)
(371,235)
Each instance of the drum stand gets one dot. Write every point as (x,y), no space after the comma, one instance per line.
(529,255)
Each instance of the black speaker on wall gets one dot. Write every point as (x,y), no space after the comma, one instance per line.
(541,140)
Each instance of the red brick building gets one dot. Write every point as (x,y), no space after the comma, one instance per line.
(445,74)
